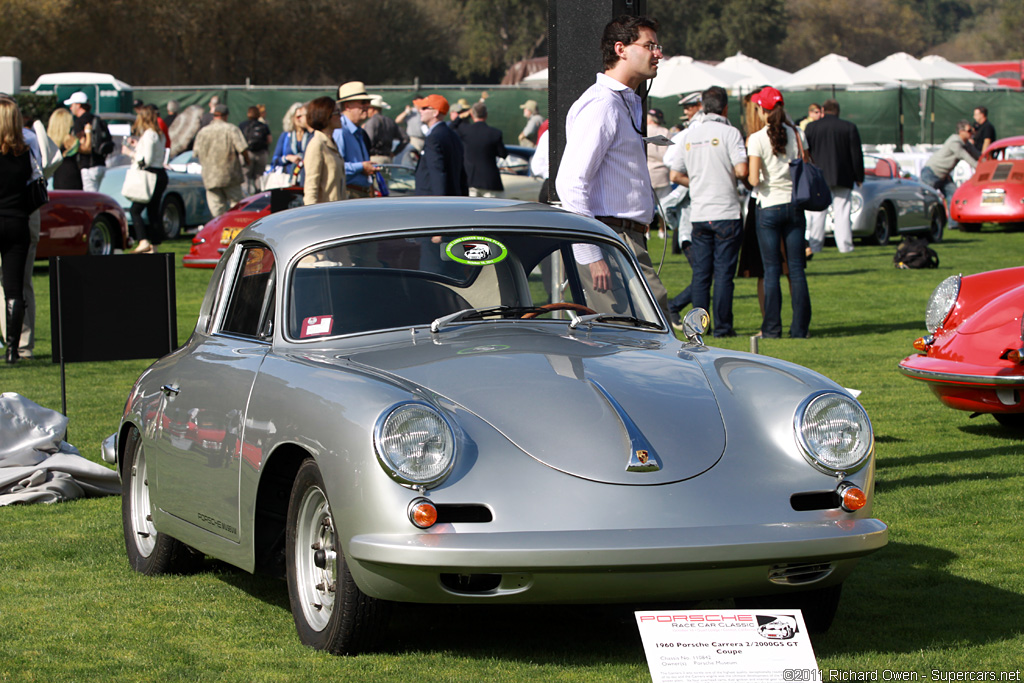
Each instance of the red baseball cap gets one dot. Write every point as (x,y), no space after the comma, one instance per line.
(434,101)
(767,98)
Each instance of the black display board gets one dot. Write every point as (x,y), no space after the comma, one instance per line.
(574,58)
(112,307)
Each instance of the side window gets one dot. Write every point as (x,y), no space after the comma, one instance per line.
(251,301)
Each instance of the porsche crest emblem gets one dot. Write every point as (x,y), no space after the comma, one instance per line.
(643,457)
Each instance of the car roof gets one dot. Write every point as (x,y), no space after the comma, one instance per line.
(291,231)
(1015,141)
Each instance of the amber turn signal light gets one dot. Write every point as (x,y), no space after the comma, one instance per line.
(922,343)
(1014,355)
(422,513)
(853,497)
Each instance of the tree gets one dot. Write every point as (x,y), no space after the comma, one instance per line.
(714,31)
(865,31)
(497,34)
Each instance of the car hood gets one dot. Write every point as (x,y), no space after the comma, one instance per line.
(618,408)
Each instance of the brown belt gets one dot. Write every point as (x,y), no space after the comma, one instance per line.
(622,223)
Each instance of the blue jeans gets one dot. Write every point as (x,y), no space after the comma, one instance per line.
(683,299)
(783,225)
(714,250)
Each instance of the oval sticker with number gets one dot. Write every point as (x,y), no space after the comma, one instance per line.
(476,251)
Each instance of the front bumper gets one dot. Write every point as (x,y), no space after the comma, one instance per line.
(621,565)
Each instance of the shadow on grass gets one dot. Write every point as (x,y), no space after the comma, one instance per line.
(993,430)
(874,329)
(883,486)
(946,457)
(905,592)
(904,599)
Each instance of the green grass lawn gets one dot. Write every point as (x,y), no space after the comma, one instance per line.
(947,593)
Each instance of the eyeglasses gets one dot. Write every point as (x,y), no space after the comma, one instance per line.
(652,47)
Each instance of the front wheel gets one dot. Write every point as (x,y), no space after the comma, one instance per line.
(101,237)
(149,551)
(1012,421)
(331,613)
(936,227)
(818,606)
(883,227)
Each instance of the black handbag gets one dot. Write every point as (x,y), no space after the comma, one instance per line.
(810,189)
(35,194)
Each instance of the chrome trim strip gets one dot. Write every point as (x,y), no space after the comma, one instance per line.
(642,456)
(954,378)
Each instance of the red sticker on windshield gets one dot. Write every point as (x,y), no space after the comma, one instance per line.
(317,325)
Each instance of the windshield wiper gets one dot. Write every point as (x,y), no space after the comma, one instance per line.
(480,313)
(613,318)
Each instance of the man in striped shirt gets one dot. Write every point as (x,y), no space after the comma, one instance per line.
(603,172)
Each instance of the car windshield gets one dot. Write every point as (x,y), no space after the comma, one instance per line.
(488,274)
(1011,153)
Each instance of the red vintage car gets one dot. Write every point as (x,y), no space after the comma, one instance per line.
(973,358)
(995,193)
(77,223)
(214,237)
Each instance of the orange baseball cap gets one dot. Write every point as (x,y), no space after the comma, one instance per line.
(434,101)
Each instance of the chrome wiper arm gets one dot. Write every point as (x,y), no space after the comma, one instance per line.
(610,317)
(450,318)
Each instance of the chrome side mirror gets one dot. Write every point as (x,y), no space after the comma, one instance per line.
(695,324)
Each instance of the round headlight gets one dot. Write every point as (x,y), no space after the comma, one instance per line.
(941,302)
(834,432)
(415,444)
(856,202)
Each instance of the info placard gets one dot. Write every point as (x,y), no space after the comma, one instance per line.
(725,646)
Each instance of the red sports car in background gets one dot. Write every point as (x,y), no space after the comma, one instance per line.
(214,237)
(77,223)
(995,193)
(974,357)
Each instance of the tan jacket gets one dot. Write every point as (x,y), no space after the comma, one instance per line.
(325,171)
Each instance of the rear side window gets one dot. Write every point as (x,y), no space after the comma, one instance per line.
(251,300)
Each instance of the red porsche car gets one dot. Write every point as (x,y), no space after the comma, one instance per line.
(77,223)
(973,358)
(995,193)
(214,237)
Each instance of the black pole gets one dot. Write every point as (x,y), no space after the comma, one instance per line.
(901,116)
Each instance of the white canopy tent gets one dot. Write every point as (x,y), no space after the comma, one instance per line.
(537,78)
(756,73)
(678,75)
(836,71)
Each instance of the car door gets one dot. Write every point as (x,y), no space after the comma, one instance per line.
(202,442)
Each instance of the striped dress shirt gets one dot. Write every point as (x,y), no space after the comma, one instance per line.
(603,171)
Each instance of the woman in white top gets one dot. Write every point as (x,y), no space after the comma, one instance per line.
(148,153)
(779,221)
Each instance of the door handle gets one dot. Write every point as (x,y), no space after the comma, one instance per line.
(170,389)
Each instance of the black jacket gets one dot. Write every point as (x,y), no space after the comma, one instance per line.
(483,145)
(441,171)
(835,148)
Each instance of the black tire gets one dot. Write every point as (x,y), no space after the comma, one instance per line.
(883,227)
(172,216)
(1012,421)
(936,227)
(102,237)
(150,552)
(818,606)
(331,613)
(970,227)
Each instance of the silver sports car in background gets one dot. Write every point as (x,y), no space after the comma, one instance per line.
(887,204)
(426,400)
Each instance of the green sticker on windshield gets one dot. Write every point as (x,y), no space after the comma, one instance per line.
(476,251)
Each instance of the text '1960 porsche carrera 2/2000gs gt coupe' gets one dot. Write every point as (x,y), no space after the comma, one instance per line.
(426,400)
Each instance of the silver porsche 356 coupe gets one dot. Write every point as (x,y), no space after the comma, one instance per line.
(426,400)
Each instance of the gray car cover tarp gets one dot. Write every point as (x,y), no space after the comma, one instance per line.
(36,465)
